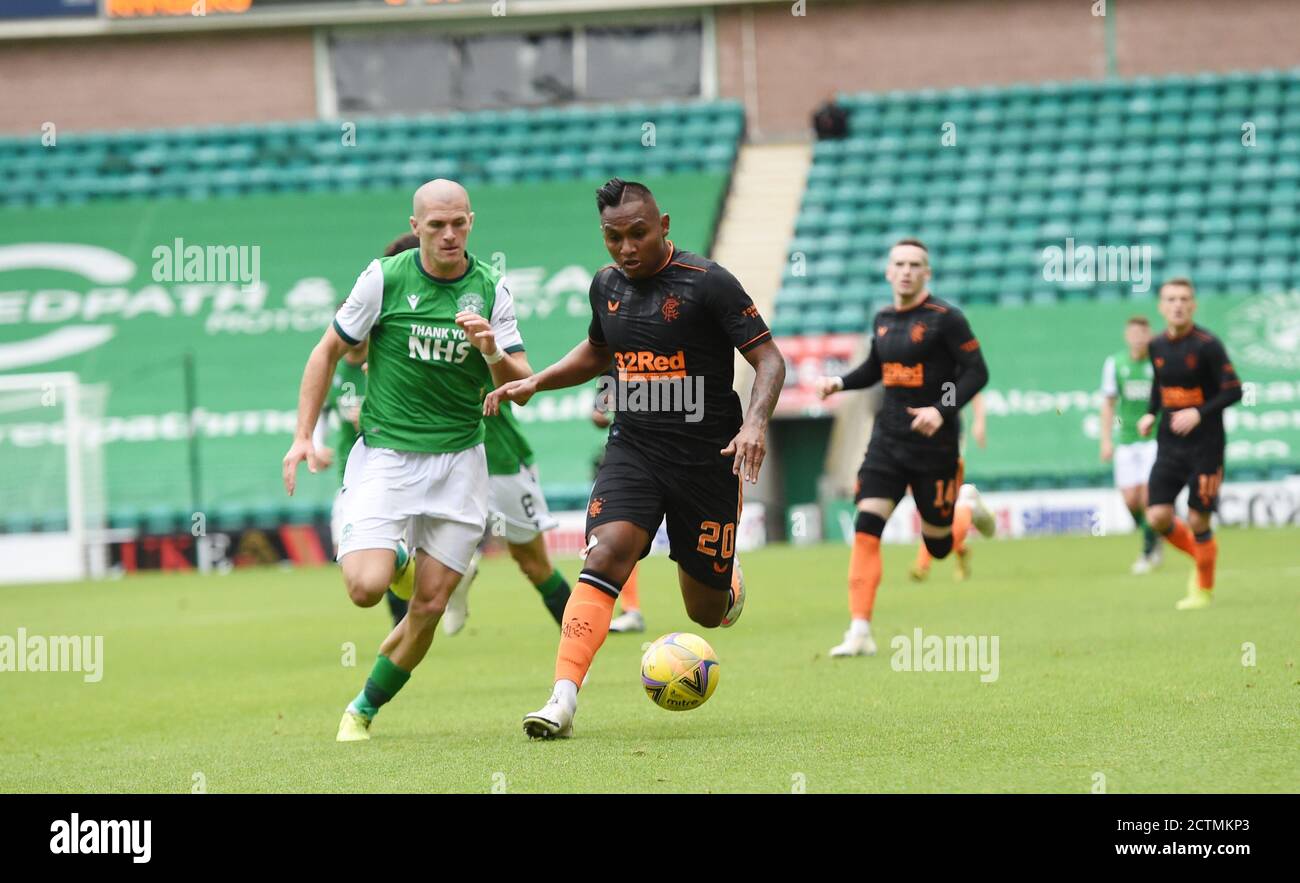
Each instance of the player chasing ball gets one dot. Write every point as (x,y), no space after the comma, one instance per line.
(517,507)
(1126,388)
(924,352)
(669,321)
(1194,382)
(441,327)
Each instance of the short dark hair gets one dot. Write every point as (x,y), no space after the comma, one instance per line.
(1180,280)
(912,240)
(616,191)
(1139,320)
(405,242)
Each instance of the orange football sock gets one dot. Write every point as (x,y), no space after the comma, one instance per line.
(1207,554)
(629,599)
(586,623)
(864,575)
(960,524)
(1180,535)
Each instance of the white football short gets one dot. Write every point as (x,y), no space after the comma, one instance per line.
(1133,463)
(519,510)
(438,502)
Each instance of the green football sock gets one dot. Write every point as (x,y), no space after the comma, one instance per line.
(402,557)
(382,685)
(555,594)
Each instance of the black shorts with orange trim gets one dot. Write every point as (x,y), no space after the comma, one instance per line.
(701,505)
(1199,468)
(935,477)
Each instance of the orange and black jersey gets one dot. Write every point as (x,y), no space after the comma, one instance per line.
(1192,371)
(926,356)
(678,328)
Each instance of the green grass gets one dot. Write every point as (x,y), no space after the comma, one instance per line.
(239,677)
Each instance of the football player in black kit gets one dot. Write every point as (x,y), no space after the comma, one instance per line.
(1194,382)
(669,322)
(924,352)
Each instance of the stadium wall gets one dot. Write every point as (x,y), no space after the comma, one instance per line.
(187,79)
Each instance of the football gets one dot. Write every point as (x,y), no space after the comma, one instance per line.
(679,671)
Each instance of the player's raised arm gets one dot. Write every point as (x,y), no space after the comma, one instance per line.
(498,338)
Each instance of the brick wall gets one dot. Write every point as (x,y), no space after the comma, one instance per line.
(138,82)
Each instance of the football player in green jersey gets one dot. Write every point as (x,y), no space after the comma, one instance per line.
(441,330)
(518,507)
(1125,388)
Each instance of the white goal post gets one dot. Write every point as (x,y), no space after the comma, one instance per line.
(52,506)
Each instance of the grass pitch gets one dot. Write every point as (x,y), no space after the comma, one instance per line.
(238,682)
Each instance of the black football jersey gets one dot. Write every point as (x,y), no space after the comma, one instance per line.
(1192,371)
(673,337)
(926,356)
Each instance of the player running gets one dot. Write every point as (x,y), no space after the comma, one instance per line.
(441,327)
(517,506)
(1194,382)
(669,321)
(1126,389)
(630,620)
(924,352)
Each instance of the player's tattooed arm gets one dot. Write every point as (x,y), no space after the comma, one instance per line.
(749,447)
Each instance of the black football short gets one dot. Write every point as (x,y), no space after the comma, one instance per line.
(934,476)
(700,503)
(1199,468)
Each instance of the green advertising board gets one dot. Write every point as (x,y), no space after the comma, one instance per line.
(106,290)
(1045,364)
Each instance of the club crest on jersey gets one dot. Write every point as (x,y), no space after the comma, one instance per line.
(470,302)
(1191,361)
(413,300)
(671,308)
(881,330)
(1160,361)
(918,331)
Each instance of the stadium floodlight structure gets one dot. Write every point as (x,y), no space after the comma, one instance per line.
(52,507)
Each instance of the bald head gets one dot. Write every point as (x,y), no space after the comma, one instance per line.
(442,193)
(441,219)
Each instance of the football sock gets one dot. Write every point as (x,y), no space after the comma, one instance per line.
(939,546)
(555,594)
(961,516)
(864,565)
(1206,553)
(586,623)
(1148,535)
(396,606)
(402,557)
(382,685)
(1180,535)
(629,598)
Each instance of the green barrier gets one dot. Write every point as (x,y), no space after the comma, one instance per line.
(1045,366)
(85,291)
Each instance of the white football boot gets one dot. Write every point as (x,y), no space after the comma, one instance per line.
(1141,566)
(554,720)
(857,642)
(628,621)
(981,515)
(453,618)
